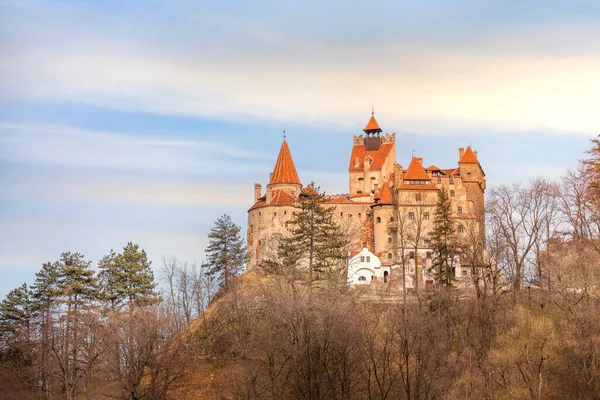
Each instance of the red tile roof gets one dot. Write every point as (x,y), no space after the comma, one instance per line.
(468,156)
(278,198)
(372,125)
(451,171)
(285,171)
(415,171)
(433,168)
(378,156)
(385,195)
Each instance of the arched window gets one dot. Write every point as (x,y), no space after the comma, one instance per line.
(378,220)
(389,256)
(389,240)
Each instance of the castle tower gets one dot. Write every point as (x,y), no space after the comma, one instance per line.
(272,212)
(371,161)
(383,219)
(473,179)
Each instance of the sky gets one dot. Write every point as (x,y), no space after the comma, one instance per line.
(144,121)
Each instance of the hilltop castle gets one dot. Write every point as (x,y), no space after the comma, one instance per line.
(390,208)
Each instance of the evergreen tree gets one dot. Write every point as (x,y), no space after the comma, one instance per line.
(442,240)
(76,280)
(127,277)
(226,252)
(315,246)
(16,313)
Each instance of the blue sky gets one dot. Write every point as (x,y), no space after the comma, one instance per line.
(144,121)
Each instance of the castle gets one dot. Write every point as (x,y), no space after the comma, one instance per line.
(388,209)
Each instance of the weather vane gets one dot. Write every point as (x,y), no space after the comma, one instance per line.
(284,134)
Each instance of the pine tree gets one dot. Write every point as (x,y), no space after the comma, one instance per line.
(226,252)
(315,246)
(442,240)
(16,313)
(127,277)
(76,280)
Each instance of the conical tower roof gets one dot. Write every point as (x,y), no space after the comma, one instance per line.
(372,126)
(385,195)
(284,171)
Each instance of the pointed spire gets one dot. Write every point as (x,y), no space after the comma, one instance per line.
(372,125)
(468,156)
(385,195)
(284,171)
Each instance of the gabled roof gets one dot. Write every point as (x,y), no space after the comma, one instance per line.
(359,152)
(285,170)
(372,125)
(433,168)
(468,157)
(385,195)
(416,171)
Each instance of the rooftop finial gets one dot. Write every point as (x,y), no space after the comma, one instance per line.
(284,134)
(372,110)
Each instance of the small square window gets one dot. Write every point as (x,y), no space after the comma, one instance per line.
(362,258)
(349,215)
(418,196)
(368,258)
(411,215)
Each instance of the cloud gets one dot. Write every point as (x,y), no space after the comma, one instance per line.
(69,146)
(538,77)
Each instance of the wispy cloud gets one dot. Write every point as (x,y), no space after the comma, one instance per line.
(539,77)
(69,146)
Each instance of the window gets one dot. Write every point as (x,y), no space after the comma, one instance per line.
(259,213)
(459,210)
(391,219)
(373,178)
(439,179)
(362,258)
(461,228)
(413,182)
(389,240)
(362,279)
(349,215)
(359,215)
(358,191)
(418,196)
(368,258)
(411,215)
(286,224)
(428,254)
(285,213)
(411,255)
(361,179)
(389,256)
(452,193)
(426,215)
(464,272)
(342,214)
(451,179)
(274,213)
(378,220)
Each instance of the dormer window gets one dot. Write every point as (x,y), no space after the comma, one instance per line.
(415,182)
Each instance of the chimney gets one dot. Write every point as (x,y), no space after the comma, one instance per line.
(461,151)
(270,177)
(475,152)
(257,191)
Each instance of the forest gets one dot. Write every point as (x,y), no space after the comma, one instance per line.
(526,326)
